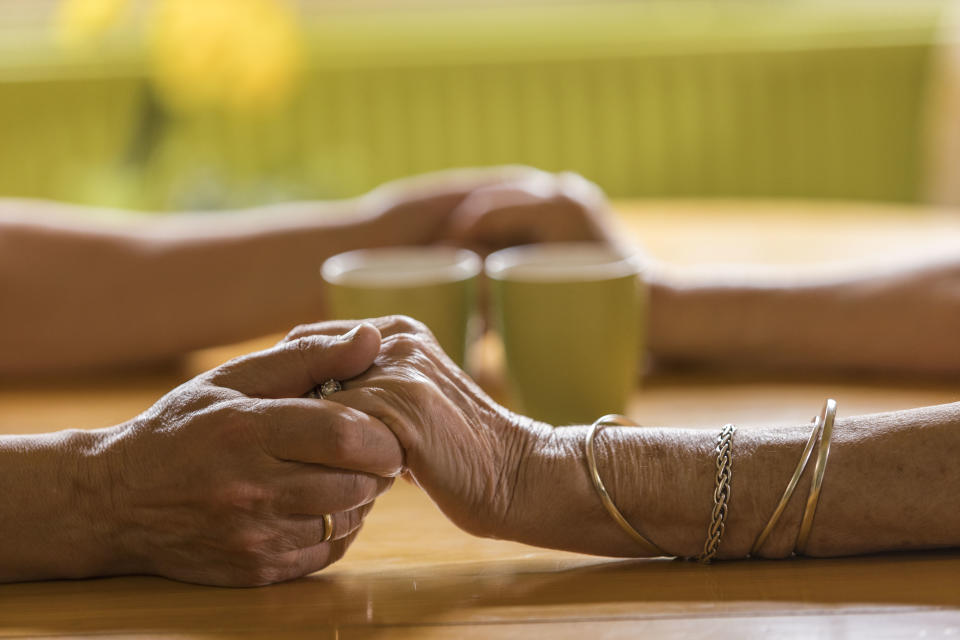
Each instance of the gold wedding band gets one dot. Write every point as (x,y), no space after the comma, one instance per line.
(327,527)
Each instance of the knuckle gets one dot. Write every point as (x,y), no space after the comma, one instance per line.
(262,572)
(413,361)
(233,424)
(406,324)
(354,519)
(248,542)
(232,413)
(355,488)
(405,343)
(405,346)
(298,332)
(255,555)
(346,439)
(420,360)
(245,497)
(304,346)
(300,344)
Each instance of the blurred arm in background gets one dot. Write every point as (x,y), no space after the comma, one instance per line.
(900,317)
(80,291)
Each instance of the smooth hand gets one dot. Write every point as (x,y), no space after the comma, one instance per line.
(493,208)
(537,207)
(226,479)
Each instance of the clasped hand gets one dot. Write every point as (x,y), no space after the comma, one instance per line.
(226,479)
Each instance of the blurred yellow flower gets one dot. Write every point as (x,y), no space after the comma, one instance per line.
(241,55)
(80,23)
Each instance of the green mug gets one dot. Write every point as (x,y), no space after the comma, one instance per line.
(436,285)
(571,318)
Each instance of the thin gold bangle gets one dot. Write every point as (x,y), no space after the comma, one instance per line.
(827,416)
(788,492)
(639,538)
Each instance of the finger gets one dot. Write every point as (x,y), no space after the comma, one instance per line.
(395,418)
(325,328)
(309,531)
(292,368)
(326,433)
(458,181)
(491,213)
(338,548)
(387,325)
(313,490)
(441,377)
(497,228)
(303,562)
(497,199)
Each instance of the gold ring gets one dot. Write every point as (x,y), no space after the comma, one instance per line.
(327,528)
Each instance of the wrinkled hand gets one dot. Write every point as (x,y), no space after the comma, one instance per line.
(461,447)
(225,480)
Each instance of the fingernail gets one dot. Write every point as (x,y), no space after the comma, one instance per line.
(348,336)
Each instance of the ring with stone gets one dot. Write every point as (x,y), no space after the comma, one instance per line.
(330,387)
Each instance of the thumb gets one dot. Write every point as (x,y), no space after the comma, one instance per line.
(290,369)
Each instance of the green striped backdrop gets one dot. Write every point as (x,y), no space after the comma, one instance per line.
(688,99)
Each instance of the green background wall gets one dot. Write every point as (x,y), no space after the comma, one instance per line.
(768,99)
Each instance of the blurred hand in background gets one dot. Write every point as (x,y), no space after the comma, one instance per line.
(84,287)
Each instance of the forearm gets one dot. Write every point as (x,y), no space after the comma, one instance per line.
(51,519)
(882,320)
(890,484)
(79,294)
(85,288)
(86,297)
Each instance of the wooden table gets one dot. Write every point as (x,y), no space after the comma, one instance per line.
(413,575)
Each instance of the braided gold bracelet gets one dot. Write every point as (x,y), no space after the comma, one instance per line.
(721,495)
(618,517)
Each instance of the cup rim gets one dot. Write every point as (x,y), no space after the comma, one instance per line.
(462,264)
(501,265)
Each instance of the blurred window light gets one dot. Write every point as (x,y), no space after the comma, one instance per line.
(183,103)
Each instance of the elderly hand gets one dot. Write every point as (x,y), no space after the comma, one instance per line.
(461,447)
(226,479)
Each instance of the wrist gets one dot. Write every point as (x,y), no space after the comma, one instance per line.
(529,447)
(56,526)
(649,477)
(661,484)
(557,504)
(100,507)
(89,476)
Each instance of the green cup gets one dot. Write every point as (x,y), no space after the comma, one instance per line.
(436,285)
(571,319)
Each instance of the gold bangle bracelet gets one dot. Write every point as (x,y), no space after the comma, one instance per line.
(788,492)
(639,538)
(827,416)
